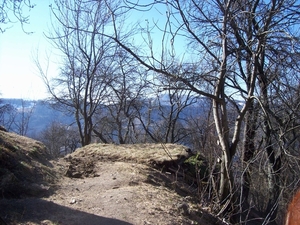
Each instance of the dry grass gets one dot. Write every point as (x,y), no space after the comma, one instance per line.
(21,142)
(140,153)
(24,165)
(118,185)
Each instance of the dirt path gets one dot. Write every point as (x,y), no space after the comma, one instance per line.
(108,192)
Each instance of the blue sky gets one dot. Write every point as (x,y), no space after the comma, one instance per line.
(18,74)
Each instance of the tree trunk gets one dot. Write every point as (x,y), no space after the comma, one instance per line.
(100,135)
(226,188)
(274,167)
(226,193)
(248,153)
(274,162)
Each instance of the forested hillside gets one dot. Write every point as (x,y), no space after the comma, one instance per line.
(184,120)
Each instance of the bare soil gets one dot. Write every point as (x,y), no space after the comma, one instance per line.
(103,184)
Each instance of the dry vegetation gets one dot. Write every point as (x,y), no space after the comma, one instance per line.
(104,184)
(25,169)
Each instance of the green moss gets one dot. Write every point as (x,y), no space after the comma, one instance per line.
(197,165)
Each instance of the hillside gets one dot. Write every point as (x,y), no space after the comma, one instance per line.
(97,184)
(25,169)
(42,114)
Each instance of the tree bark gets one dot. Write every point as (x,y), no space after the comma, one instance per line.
(274,162)
(248,153)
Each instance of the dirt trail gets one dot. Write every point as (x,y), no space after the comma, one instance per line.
(110,188)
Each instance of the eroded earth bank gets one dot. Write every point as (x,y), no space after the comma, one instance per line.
(97,184)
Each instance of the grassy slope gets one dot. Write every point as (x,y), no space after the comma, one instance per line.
(24,166)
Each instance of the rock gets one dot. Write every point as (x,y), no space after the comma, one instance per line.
(73,201)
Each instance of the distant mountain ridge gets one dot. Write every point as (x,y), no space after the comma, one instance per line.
(40,112)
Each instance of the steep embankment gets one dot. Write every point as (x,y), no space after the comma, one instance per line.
(25,169)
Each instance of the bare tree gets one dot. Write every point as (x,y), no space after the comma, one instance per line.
(85,73)
(22,117)
(17,119)
(128,89)
(169,112)
(7,115)
(233,49)
(12,11)
(217,74)
(202,135)
(236,42)
(59,139)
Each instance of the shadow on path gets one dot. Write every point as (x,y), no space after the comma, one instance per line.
(16,211)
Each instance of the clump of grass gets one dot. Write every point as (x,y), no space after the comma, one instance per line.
(197,166)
